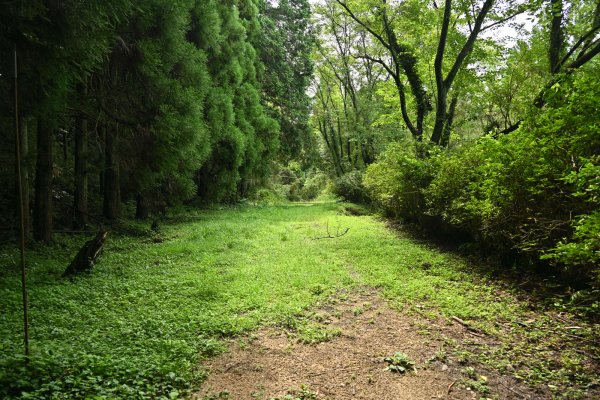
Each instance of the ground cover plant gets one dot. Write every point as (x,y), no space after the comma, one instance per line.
(137,326)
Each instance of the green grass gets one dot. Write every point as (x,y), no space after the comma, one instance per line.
(138,325)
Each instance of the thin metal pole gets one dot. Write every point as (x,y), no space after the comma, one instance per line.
(21,215)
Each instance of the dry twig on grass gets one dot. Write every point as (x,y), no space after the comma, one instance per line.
(472,330)
(330,236)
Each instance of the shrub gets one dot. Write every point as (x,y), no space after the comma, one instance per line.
(271,196)
(291,183)
(314,184)
(350,187)
(524,191)
(476,189)
(453,193)
(582,249)
(535,191)
(396,182)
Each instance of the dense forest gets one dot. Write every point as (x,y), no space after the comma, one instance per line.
(477,122)
(152,103)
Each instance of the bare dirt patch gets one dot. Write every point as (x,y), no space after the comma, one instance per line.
(275,362)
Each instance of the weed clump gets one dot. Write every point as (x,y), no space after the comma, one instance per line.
(400,363)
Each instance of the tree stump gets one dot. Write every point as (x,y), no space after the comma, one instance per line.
(87,255)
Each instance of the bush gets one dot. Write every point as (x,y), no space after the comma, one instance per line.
(314,184)
(271,196)
(473,190)
(350,187)
(524,191)
(453,193)
(582,249)
(291,183)
(397,181)
(535,191)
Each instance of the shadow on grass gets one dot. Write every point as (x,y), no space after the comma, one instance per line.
(541,285)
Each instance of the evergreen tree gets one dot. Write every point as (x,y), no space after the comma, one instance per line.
(58,44)
(243,137)
(154,88)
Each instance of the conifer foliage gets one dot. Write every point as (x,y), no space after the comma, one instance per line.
(147,103)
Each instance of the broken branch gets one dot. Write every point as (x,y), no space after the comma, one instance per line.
(330,236)
(87,255)
(466,325)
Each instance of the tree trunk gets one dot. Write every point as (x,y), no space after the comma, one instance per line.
(141,207)
(102,139)
(349,151)
(87,255)
(65,150)
(404,58)
(556,36)
(337,145)
(440,85)
(111,176)
(330,146)
(340,141)
(445,141)
(440,116)
(443,84)
(42,215)
(80,205)
(417,135)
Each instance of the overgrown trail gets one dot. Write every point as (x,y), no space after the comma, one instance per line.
(467,336)
(346,359)
(247,300)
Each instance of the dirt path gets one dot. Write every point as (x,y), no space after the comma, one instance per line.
(275,362)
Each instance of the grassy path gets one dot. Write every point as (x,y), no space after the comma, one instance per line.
(138,326)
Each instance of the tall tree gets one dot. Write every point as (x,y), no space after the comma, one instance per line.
(572,41)
(152,88)
(443,82)
(244,138)
(345,90)
(402,60)
(80,196)
(455,42)
(42,215)
(58,44)
(285,46)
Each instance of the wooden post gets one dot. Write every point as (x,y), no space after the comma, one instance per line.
(22,217)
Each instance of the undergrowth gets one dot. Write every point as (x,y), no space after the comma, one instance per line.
(137,326)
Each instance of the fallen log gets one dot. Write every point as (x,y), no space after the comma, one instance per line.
(87,255)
